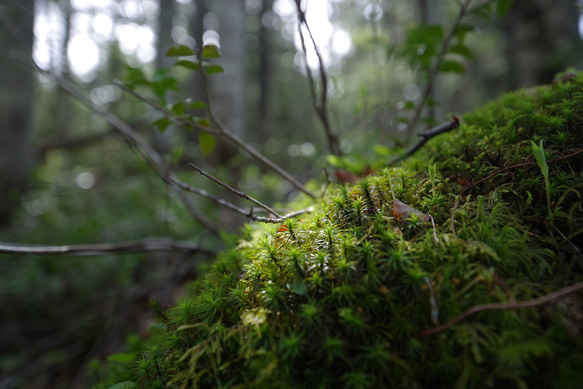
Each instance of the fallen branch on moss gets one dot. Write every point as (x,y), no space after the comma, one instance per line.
(500,171)
(105,248)
(425,136)
(505,306)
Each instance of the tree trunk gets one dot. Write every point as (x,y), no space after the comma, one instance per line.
(228,89)
(542,38)
(15,110)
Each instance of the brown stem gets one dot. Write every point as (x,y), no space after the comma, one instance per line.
(520,165)
(505,306)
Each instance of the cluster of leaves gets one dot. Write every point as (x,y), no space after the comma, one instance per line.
(343,296)
(183,111)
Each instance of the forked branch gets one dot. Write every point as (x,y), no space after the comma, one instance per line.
(320,101)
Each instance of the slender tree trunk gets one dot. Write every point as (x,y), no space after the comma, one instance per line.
(16,101)
(265,72)
(228,89)
(542,38)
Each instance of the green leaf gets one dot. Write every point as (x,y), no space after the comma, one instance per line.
(135,77)
(180,51)
(461,50)
(178,108)
(188,64)
(122,358)
(197,105)
(161,82)
(451,66)
(210,51)
(461,31)
(503,6)
(206,142)
(161,123)
(539,154)
(177,154)
(205,122)
(212,69)
(123,385)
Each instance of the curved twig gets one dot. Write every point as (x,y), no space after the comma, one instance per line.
(505,306)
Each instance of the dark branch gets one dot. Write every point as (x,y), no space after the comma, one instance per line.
(425,136)
(105,248)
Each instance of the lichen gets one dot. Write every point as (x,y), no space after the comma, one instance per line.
(345,296)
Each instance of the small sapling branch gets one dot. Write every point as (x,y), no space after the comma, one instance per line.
(464,9)
(319,102)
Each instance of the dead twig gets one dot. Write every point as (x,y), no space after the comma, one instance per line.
(105,248)
(500,171)
(426,136)
(319,103)
(235,191)
(504,306)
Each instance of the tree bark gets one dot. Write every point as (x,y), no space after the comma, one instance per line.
(16,110)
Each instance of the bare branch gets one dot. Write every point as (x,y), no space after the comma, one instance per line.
(235,191)
(105,248)
(425,136)
(221,131)
(505,306)
(319,104)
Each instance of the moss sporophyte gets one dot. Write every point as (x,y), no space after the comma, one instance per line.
(366,292)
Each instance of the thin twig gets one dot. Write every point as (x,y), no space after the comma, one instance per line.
(235,191)
(328,181)
(505,306)
(426,136)
(436,65)
(105,248)
(500,171)
(319,105)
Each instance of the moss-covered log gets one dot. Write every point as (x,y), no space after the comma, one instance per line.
(353,294)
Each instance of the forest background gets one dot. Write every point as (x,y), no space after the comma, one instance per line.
(68,176)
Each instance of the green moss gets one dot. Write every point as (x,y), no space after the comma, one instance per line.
(341,297)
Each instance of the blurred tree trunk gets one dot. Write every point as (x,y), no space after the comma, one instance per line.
(228,89)
(16,100)
(542,38)
(161,140)
(265,71)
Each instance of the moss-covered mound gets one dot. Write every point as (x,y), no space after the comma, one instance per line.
(356,294)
